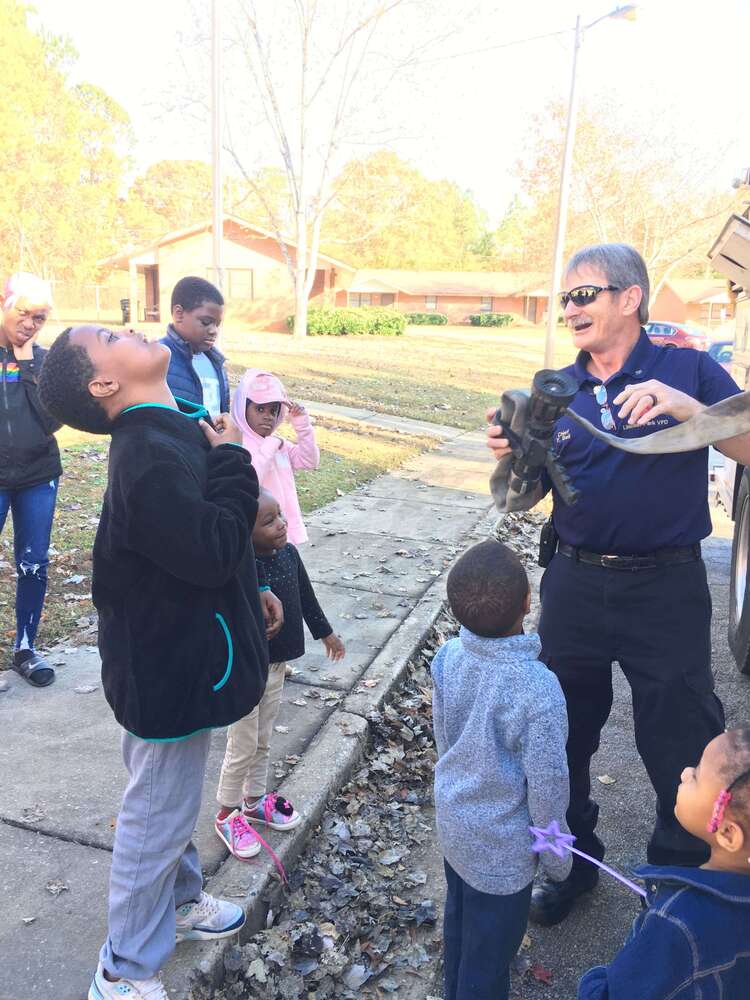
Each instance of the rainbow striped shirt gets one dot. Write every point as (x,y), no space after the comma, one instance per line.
(10,372)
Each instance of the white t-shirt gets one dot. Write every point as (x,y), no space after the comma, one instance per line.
(210,383)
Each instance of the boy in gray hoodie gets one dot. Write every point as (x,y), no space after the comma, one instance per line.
(500,729)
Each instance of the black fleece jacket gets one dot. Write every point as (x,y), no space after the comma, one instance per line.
(181,631)
(28,450)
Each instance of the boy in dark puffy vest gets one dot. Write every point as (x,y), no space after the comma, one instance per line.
(196,369)
(181,631)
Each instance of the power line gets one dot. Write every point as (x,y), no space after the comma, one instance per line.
(494,48)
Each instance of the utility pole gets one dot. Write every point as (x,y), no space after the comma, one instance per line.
(217,190)
(562,204)
(628,12)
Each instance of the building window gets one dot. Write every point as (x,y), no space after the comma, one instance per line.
(238,282)
(387,299)
(358,299)
(485,304)
(430,301)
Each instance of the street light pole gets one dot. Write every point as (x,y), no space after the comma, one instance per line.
(217,191)
(562,203)
(628,13)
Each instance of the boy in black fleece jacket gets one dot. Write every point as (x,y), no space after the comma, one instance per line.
(181,631)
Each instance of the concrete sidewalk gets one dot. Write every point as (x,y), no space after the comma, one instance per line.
(378,558)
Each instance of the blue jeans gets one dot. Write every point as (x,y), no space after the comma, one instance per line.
(481,934)
(32,509)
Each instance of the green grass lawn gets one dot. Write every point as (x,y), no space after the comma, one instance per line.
(443,374)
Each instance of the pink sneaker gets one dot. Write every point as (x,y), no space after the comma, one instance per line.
(273,811)
(239,837)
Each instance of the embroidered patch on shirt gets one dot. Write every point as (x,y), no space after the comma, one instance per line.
(12,372)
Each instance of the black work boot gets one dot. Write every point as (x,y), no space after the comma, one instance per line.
(551,902)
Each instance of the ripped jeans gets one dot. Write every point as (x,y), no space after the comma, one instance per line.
(32,509)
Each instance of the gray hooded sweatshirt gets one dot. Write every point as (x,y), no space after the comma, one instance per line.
(500,729)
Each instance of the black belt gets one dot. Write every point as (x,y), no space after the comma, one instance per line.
(648,560)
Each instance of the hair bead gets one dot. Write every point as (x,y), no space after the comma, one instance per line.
(717,816)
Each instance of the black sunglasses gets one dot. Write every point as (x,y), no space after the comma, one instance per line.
(584,295)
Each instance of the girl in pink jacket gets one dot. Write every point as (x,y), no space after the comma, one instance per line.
(259,405)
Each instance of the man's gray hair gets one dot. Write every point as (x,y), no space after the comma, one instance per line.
(620,264)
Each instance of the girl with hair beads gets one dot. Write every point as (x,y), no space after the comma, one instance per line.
(259,405)
(692,941)
(242,794)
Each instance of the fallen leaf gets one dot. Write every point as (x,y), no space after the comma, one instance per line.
(606,779)
(281,729)
(33,814)
(55,887)
(541,974)
(86,688)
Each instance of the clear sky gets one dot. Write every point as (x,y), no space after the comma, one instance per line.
(684,57)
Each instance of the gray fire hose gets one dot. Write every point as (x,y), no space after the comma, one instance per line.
(727,419)
(723,420)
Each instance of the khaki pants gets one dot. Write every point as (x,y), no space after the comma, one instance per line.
(245,768)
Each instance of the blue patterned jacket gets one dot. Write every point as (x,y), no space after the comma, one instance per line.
(690,942)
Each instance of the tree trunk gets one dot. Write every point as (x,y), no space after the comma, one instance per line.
(300,270)
(300,308)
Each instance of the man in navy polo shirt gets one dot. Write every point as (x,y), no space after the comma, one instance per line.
(628,583)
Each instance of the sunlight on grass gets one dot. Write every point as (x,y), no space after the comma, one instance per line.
(446,376)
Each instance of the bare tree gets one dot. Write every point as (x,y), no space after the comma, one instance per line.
(318,80)
(637,180)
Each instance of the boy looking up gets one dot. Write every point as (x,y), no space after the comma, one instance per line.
(196,369)
(181,631)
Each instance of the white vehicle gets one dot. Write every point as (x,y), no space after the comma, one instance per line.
(730,255)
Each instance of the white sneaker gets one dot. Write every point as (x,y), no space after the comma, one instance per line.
(208,919)
(126,989)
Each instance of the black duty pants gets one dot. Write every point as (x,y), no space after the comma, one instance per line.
(656,624)
(481,935)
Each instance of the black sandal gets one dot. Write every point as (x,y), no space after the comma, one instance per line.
(34,669)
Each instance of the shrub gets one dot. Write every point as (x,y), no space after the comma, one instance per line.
(427,319)
(491,319)
(326,321)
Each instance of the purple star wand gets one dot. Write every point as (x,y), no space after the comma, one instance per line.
(553,839)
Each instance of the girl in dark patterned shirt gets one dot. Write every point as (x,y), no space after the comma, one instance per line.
(242,794)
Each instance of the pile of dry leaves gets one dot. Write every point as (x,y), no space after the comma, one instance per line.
(356,919)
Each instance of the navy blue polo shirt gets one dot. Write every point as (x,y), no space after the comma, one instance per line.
(632,504)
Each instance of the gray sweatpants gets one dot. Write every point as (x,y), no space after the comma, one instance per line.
(155,866)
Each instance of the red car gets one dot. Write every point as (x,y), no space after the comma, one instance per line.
(678,335)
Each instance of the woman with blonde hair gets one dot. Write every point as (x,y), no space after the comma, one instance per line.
(29,461)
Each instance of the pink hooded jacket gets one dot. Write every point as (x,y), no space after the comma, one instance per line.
(275,459)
